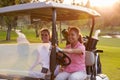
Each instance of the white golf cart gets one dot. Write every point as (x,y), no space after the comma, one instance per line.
(57,12)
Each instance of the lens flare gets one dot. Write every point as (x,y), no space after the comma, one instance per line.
(102,2)
(93,2)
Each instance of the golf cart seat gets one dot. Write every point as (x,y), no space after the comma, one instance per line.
(89,58)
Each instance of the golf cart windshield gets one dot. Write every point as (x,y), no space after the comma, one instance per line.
(50,12)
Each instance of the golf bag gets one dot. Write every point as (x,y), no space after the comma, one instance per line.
(93,63)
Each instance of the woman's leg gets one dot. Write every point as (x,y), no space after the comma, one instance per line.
(62,76)
(81,75)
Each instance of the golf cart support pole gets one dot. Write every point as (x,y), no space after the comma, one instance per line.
(54,40)
(90,36)
(88,48)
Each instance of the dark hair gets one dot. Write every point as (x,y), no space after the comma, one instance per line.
(78,33)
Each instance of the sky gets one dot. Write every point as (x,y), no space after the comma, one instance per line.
(96,3)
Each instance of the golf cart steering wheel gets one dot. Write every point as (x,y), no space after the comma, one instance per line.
(63,60)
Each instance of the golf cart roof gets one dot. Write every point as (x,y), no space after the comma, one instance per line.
(43,11)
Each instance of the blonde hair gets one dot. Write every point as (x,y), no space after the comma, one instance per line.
(46,30)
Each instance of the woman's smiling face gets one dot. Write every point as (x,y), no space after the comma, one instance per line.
(45,36)
(73,36)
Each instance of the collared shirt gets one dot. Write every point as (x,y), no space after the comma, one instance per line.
(77,60)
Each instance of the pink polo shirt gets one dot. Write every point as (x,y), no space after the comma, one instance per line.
(77,60)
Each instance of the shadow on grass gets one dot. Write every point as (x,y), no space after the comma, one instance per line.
(14,41)
(6,42)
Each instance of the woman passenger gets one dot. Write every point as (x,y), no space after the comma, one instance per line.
(42,57)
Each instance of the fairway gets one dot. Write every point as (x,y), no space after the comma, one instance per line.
(110,59)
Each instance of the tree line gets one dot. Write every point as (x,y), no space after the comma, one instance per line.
(109,15)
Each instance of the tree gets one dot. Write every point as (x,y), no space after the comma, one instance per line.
(8,20)
(57,1)
(2,22)
(110,15)
(88,4)
(22,1)
(4,3)
(37,24)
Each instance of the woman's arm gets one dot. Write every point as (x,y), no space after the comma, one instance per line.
(79,50)
(76,51)
(36,61)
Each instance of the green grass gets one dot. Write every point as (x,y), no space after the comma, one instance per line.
(3,37)
(110,59)
(114,42)
(30,34)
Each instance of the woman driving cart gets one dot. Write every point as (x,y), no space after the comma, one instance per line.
(76,51)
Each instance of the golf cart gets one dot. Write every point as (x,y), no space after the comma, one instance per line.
(60,12)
